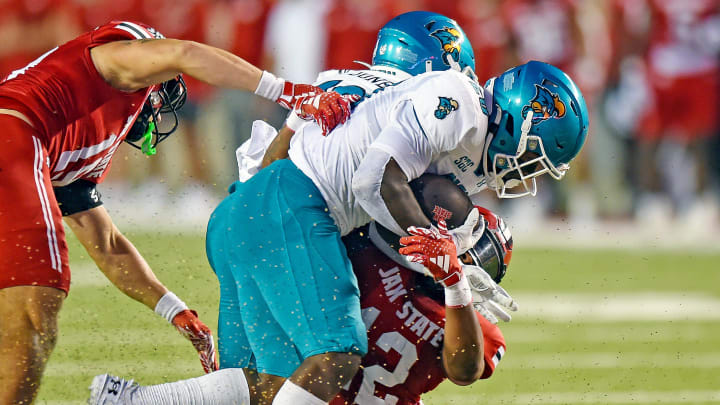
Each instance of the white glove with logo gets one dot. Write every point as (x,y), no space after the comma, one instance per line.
(489,298)
(466,236)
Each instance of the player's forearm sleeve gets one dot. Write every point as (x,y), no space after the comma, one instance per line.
(366,188)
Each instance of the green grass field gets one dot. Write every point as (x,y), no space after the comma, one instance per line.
(600,327)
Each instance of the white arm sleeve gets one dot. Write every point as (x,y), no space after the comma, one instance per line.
(404,141)
(366,188)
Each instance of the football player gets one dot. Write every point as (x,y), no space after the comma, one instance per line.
(529,121)
(310,341)
(417,337)
(415,342)
(65,114)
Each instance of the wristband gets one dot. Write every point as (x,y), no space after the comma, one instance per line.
(169,306)
(294,121)
(458,295)
(270,86)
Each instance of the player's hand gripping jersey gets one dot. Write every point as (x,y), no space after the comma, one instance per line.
(79,119)
(434,122)
(405,331)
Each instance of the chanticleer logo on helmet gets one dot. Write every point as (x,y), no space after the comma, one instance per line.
(450,41)
(544,105)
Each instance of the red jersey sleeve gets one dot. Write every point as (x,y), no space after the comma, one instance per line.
(493,344)
(80,118)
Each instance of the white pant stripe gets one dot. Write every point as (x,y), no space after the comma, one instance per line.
(55,260)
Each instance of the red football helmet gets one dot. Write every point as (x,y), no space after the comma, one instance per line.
(494,249)
(440,198)
(167,98)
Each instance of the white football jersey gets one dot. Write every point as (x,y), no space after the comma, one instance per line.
(435,122)
(364,83)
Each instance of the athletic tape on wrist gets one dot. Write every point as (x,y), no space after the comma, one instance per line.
(270,86)
(294,122)
(459,294)
(169,306)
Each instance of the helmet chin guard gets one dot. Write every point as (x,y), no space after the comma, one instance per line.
(513,171)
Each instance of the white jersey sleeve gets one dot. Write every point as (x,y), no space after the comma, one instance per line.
(439,116)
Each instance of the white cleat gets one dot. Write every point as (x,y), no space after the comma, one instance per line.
(106,389)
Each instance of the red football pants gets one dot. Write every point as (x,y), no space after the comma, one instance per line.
(33,250)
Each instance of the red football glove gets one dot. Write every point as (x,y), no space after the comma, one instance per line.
(328,109)
(190,326)
(434,249)
(292,92)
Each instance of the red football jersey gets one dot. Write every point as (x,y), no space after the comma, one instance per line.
(80,118)
(405,334)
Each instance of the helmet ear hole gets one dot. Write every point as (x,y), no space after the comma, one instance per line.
(510,125)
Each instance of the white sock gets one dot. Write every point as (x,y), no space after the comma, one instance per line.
(291,394)
(223,387)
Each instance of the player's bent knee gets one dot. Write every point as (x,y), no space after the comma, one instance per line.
(323,375)
(340,367)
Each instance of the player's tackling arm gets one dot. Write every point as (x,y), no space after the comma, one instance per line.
(463,350)
(123,265)
(136,64)
(116,256)
(279,147)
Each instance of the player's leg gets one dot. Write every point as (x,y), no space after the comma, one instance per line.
(263,387)
(28,332)
(296,258)
(222,387)
(318,379)
(34,272)
(235,348)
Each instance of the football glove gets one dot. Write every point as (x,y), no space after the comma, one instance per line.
(328,109)
(433,248)
(190,326)
(466,236)
(489,299)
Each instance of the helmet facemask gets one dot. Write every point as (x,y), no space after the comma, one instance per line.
(165,101)
(521,169)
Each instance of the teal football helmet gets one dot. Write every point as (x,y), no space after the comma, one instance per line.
(538,124)
(421,41)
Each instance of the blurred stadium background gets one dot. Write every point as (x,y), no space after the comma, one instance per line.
(616,267)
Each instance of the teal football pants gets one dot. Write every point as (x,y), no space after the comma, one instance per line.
(287,287)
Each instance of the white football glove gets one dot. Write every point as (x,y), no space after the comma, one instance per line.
(489,299)
(466,236)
